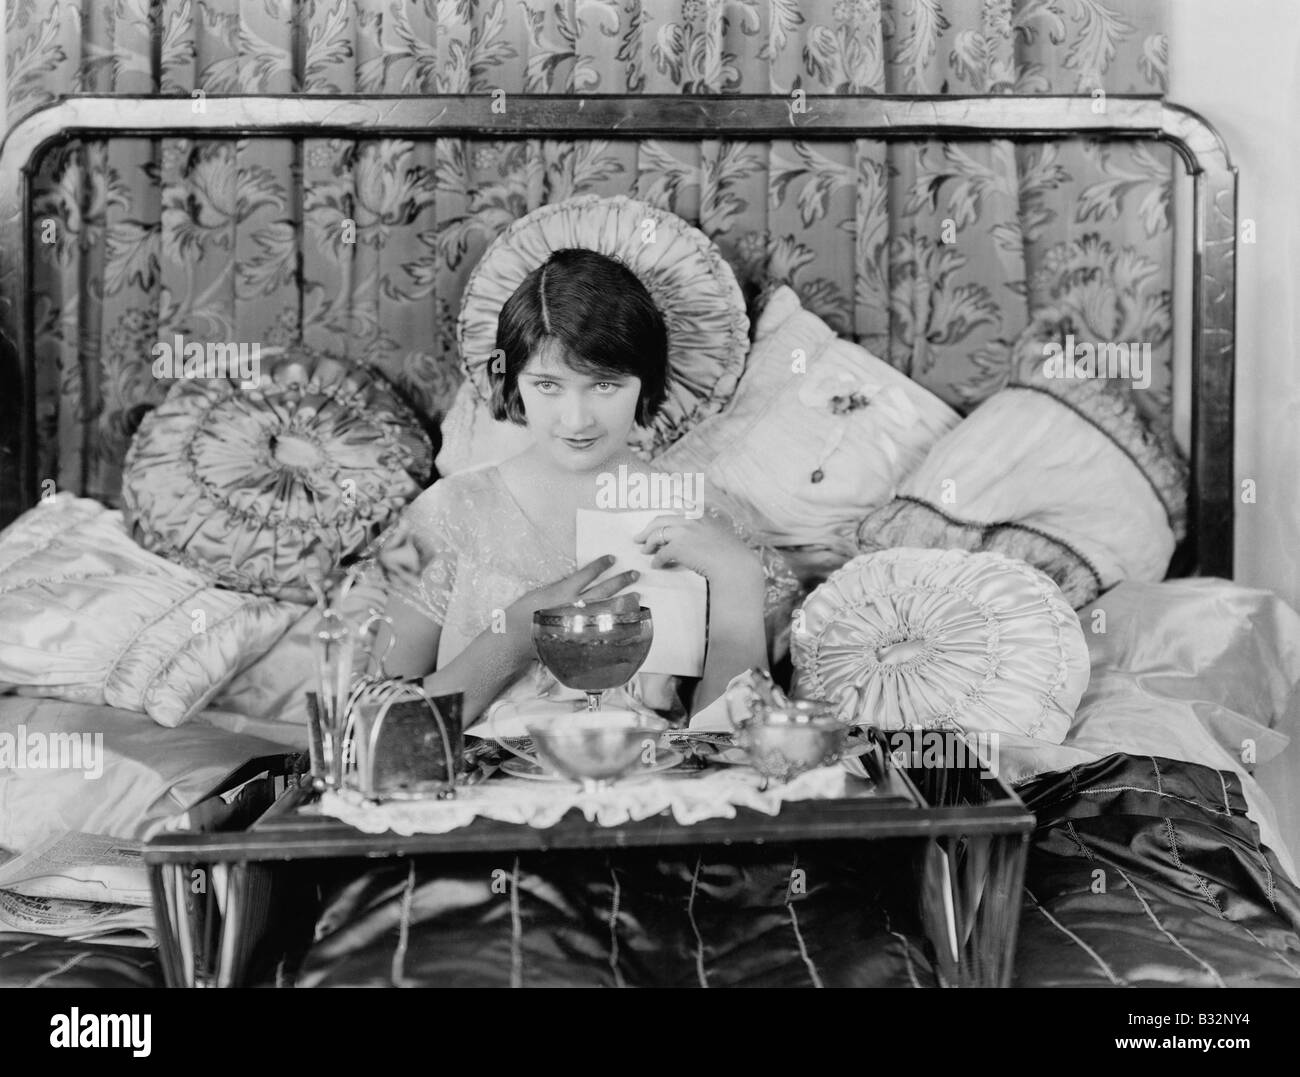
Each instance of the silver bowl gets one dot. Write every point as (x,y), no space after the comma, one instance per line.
(595,747)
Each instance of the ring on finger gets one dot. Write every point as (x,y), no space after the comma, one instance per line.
(663,536)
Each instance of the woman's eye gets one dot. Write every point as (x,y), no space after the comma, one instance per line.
(607,386)
(544,386)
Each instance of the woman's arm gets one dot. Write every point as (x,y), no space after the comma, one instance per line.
(711,546)
(736,637)
(415,646)
(491,663)
(482,671)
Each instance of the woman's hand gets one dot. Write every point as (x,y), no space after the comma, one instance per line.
(706,546)
(563,592)
(736,640)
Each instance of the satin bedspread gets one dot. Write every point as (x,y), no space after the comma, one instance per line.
(1146,872)
(39,961)
(679,918)
(1143,871)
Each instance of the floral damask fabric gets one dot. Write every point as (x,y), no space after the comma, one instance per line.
(933,255)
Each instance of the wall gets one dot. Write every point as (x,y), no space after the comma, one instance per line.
(1237,63)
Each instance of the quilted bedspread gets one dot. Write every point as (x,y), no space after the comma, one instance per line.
(39,961)
(725,917)
(1143,871)
(1147,872)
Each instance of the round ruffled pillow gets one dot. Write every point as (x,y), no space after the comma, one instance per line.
(238,480)
(682,269)
(945,639)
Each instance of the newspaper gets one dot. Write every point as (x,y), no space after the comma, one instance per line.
(83,921)
(85,867)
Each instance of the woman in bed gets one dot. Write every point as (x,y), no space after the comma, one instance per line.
(585,357)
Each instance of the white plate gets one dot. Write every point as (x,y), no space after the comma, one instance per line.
(665,759)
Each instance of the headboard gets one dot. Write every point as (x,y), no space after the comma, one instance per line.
(1208,549)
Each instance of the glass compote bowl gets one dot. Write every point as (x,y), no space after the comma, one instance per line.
(593,646)
(595,748)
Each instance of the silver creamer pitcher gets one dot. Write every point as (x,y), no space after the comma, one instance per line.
(783,737)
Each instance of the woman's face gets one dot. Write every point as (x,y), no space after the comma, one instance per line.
(578,420)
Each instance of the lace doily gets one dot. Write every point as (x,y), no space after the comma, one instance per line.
(690,796)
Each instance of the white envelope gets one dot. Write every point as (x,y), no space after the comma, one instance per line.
(677,597)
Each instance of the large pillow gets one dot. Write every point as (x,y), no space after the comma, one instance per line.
(1062,473)
(944,639)
(132,775)
(686,276)
(238,480)
(819,433)
(1231,652)
(471,438)
(87,615)
(274,688)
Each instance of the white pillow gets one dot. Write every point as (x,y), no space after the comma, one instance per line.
(1061,472)
(1231,652)
(944,639)
(818,434)
(87,615)
(471,438)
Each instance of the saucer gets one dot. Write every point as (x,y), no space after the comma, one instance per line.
(514,716)
(665,759)
(736,757)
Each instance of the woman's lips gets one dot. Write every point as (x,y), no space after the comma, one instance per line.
(580,443)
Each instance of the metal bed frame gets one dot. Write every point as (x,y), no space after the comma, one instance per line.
(1209,547)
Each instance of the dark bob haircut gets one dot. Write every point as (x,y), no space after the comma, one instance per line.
(600,314)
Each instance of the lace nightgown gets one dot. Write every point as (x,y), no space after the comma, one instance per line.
(478,552)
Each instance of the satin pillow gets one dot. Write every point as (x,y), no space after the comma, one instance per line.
(1061,473)
(274,688)
(87,615)
(687,277)
(1231,652)
(133,775)
(818,434)
(239,482)
(944,639)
